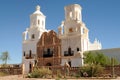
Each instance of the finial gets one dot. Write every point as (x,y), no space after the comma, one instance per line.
(37,8)
(62,24)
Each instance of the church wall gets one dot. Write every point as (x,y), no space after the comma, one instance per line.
(29,46)
(73,43)
(85,45)
(114,52)
(26,65)
(111,53)
(75,62)
(94,46)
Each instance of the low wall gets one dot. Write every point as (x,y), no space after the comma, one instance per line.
(12,70)
(64,70)
(112,69)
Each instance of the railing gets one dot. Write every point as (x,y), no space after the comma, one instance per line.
(47,54)
(29,56)
(66,53)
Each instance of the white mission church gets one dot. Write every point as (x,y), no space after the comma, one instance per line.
(73,37)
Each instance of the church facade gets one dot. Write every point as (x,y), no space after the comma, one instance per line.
(47,48)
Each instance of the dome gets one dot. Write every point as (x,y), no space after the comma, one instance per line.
(38,10)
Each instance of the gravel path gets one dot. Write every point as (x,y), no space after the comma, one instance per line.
(20,77)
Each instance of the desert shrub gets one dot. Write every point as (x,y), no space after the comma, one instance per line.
(97,70)
(5,66)
(40,73)
(91,70)
(59,75)
(3,74)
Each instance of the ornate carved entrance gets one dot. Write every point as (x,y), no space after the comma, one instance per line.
(49,49)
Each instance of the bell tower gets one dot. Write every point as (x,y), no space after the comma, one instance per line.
(73,19)
(37,19)
(74,36)
(73,12)
(73,32)
(30,38)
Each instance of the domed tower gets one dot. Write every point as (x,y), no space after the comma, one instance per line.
(37,19)
(30,39)
(74,36)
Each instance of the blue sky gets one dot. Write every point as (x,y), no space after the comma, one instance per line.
(102,18)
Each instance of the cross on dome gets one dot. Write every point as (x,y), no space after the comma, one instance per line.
(38,10)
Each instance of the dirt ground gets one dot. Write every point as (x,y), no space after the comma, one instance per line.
(20,77)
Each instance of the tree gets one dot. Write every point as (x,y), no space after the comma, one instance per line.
(96,57)
(96,61)
(101,59)
(89,57)
(5,57)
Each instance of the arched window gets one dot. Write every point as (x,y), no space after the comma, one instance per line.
(30,53)
(83,30)
(38,22)
(69,62)
(24,53)
(69,50)
(70,14)
(30,67)
(42,23)
(77,49)
(48,53)
(33,36)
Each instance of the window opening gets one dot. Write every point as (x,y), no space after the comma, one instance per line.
(30,67)
(33,36)
(30,53)
(77,49)
(69,52)
(38,22)
(48,53)
(42,23)
(24,53)
(69,62)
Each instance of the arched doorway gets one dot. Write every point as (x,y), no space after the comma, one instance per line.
(48,64)
(30,67)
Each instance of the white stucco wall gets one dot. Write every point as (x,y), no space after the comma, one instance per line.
(71,42)
(113,52)
(75,62)
(26,63)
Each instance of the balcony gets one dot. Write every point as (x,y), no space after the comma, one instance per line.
(47,54)
(29,56)
(68,53)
